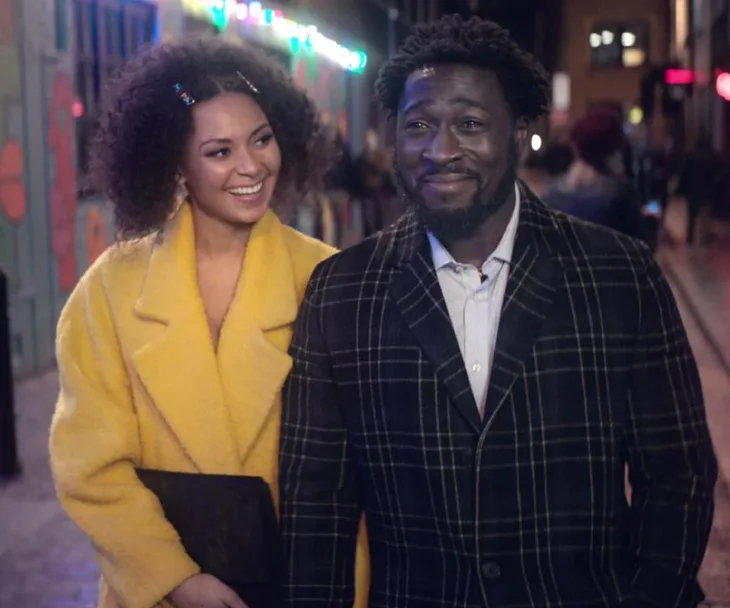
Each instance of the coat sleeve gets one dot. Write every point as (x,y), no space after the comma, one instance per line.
(94,446)
(672,466)
(318,489)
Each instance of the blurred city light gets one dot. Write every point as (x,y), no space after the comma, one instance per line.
(301,37)
(636,115)
(722,85)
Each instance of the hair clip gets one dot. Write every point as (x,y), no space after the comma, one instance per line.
(184,96)
(248,82)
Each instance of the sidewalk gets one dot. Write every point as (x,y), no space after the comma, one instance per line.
(45,562)
(703,276)
(701,282)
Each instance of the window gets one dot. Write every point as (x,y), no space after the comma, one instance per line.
(107,33)
(61,23)
(619,45)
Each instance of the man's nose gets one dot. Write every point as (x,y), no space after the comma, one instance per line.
(444,147)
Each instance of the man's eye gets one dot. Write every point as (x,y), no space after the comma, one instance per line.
(470,123)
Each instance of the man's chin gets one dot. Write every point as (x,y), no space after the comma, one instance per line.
(435,204)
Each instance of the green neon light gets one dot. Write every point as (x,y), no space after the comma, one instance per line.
(299,36)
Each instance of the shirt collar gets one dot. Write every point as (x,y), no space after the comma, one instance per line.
(503,252)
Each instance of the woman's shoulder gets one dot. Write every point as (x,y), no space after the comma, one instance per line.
(114,273)
(121,260)
(305,250)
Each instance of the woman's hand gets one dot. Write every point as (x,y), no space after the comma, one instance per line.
(204,591)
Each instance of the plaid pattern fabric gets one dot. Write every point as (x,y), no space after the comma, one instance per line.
(592,369)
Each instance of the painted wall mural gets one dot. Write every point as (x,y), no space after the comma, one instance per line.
(13,198)
(63,198)
(79,228)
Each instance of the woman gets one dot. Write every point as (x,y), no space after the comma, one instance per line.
(594,188)
(172,349)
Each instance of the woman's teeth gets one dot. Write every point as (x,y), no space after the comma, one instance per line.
(246,190)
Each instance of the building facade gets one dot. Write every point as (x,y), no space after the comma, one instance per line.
(56,57)
(701,43)
(607,49)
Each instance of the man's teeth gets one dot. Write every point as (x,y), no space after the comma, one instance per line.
(243,191)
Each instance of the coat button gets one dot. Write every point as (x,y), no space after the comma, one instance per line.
(491,570)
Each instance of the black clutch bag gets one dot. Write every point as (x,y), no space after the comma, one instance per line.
(228,526)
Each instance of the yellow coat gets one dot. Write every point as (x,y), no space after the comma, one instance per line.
(141,386)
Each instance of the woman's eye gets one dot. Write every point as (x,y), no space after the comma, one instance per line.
(220,153)
(265,139)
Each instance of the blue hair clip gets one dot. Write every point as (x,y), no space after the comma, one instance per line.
(184,96)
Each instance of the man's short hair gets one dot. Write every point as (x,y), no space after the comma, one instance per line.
(475,42)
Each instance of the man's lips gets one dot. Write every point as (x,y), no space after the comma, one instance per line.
(446,178)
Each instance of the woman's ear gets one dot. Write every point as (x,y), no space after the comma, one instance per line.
(181,190)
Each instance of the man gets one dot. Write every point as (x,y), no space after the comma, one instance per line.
(476,378)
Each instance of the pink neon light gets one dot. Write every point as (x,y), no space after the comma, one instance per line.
(722,85)
(679,76)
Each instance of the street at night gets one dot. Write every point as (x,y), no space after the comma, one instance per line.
(348,252)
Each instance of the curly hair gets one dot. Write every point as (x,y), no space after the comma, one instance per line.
(144,126)
(597,136)
(475,42)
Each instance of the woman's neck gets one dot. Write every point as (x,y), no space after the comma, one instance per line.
(215,239)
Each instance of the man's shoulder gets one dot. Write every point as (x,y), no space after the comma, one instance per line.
(368,259)
(586,243)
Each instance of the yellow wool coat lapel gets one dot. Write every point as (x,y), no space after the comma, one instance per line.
(264,303)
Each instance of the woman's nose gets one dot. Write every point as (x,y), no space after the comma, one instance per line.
(246,163)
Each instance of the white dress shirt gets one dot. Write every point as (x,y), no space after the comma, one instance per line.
(475,306)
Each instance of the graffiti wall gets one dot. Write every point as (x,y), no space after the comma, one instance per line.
(79,228)
(13,199)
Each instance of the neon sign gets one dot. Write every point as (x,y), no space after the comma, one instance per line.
(300,37)
(679,76)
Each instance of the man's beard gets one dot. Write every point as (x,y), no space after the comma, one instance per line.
(452,225)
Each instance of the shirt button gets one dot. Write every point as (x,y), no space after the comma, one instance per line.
(491,570)
(476,368)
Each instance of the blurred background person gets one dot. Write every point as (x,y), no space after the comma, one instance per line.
(701,181)
(376,188)
(558,155)
(594,187)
